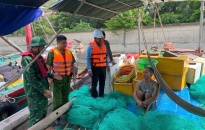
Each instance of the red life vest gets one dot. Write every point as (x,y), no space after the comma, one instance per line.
(42,67)
(62,64)
(98,56)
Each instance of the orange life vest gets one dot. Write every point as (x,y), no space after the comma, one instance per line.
(98,56)
(62,64)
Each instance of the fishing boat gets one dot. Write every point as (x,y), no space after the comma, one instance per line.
(106,10)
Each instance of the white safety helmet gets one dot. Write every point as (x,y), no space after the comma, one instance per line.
(97,34)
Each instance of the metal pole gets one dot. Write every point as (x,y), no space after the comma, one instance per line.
(124,40)
(201,25)
(139,21)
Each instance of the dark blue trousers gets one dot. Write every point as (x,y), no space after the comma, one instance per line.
(99,74)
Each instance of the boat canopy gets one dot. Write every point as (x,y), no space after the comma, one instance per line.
(25,3)
(100,9)
(18,13)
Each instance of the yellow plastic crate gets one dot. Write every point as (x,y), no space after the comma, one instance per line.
(145,56)
(125,88)
(175,82)
(134,83)
(172,65)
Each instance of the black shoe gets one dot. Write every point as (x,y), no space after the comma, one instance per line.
(56,122)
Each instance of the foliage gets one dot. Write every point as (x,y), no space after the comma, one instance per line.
(170,12)
(126,20)
(169,18)
(82,26)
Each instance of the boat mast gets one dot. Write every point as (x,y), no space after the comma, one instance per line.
(28,33)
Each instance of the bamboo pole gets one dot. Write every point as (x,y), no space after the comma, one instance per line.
(12,44)
(139,22)
(44,123)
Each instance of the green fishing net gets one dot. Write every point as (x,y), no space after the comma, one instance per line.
(197,90)
(111,113)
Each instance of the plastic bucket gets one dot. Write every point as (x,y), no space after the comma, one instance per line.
(143,63)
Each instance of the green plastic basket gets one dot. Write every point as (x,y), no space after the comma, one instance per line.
(143,63)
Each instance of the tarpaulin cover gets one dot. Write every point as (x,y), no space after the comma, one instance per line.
(15,17)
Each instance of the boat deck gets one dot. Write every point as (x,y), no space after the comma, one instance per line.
(164,103)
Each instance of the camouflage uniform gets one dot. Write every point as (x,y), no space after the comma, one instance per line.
(35,85)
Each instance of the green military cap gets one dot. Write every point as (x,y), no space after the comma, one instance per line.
(38,41)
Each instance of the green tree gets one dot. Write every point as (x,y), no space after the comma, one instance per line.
(170,18)
(82,26)
(180,12)
(126,21)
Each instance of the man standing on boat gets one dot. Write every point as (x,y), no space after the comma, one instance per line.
(96,61)
(109,54)
(146,91)
(61,60)
(35,81)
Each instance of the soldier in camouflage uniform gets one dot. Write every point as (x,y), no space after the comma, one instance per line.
(35,81)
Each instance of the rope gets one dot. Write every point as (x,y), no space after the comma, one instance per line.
(184,104)
(6,98)
(160,22)
(33,29)
(43,30)
(154,24)
(152,46)
(143,36)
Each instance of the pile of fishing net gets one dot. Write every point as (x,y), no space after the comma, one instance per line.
(197,90)
(118,112)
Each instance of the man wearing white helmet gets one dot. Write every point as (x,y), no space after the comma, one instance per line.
(96,61)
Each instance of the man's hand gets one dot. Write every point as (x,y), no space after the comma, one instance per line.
(74,79)
(113,62)
(47,94)
(108,69)
(139,104)
(50,82)
(90,73)
(57,76)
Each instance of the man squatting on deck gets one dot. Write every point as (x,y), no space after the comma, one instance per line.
(146,91)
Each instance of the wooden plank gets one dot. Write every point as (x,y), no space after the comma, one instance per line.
(44,123)
(16,119)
